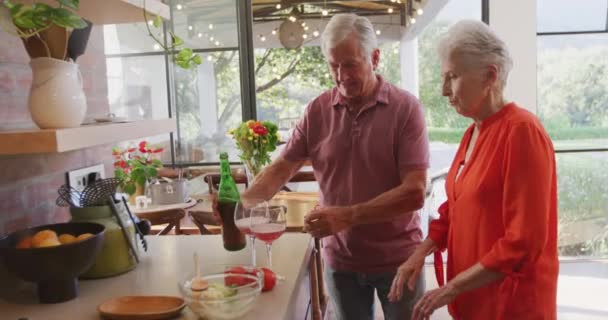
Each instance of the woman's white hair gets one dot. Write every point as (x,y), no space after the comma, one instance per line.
(341,26)
(478,46)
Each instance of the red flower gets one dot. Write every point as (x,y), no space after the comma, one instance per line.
(131,150)
(159,150)
(261,130)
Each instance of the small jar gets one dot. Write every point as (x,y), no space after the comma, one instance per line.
(115,256)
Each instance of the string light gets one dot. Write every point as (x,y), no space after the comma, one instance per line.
(395,50)
(303,24)
(390,10)
(262,38)
(306,28)
(278,6)
(315,33)
(150,22)
(179,7)
(274,32)
(156,47)
(210,26)
(413,20)
(324,12)
(292,19)
(305,36)
(217,43)
(190,28)
(378,32)
(209,58)
(200,35)
(211,39)
(419,11)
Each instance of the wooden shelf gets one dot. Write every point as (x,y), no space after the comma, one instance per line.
(116,11)
(17,142)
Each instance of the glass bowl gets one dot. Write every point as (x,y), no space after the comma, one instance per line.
(229,295)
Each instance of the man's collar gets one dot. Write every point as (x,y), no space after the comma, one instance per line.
(381,94)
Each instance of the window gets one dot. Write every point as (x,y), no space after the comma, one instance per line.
(573,105)
(571,16)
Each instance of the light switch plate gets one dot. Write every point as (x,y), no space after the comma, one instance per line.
(77,179)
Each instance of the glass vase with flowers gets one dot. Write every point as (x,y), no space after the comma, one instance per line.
(255,140)
(136,166)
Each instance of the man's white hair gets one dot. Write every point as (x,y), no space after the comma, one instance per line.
(341,26)
(478,46)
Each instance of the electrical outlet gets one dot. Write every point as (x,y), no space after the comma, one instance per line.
(78,179)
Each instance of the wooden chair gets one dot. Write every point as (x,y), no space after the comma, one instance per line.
(170,218)
(213,179)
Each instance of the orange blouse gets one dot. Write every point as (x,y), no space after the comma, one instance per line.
(502,212)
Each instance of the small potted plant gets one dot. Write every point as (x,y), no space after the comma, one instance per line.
(135,167)
(48,33)
(256,140)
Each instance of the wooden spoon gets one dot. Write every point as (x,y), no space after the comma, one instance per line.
(198,283)
(57,39)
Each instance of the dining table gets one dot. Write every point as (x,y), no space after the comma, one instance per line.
(169,260)
(298,205)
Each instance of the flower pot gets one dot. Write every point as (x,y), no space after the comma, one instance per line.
(56,97)
(140,190)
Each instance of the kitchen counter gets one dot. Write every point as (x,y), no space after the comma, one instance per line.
(169,258)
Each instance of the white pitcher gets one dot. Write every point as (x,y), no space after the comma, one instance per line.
(56,96)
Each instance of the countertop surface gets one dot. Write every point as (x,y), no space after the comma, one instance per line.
(168,260)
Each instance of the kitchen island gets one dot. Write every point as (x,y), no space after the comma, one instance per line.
(169,260)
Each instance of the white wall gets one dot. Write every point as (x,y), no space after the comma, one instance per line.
(515,23)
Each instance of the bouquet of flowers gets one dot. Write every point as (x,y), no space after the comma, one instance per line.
(256,140)
(135,166)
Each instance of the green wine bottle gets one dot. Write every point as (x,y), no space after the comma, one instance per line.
(228,196)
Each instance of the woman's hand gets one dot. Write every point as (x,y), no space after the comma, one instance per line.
(409,271)
(432,301)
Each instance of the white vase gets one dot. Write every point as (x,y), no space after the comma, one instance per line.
(56,96)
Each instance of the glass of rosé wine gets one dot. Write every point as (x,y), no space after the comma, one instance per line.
(243,218)
(268,223)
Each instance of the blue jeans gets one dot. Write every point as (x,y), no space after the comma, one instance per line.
(352,295)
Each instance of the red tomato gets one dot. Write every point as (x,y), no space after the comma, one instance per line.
(234,280)
(270,279)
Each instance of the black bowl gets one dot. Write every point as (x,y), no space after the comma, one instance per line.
(54,269)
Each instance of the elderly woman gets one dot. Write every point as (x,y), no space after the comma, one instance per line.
(499,224)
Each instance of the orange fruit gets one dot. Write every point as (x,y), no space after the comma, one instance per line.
(67,238)
(84,236)
(25,243)
(43,235)
(49,242)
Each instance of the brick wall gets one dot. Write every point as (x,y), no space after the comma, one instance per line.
(28,183)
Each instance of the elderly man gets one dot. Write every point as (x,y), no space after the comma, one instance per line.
(368,146)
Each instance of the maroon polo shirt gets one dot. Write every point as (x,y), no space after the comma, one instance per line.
(355,158)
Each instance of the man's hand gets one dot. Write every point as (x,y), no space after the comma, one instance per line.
(216,211)
(322,222)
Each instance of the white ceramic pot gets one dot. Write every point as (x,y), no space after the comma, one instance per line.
(56,96)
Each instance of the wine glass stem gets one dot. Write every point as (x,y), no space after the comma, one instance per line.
(252,239)
(269,253)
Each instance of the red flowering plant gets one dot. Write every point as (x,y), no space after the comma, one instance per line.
(135,166)
(256,140)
